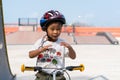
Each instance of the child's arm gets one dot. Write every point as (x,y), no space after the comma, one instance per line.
(36,52)
(72,53)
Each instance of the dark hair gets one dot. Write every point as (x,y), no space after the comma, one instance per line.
(47,25)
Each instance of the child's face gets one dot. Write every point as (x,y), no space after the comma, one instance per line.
(54,30)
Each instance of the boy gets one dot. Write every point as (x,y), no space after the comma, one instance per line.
(50,49)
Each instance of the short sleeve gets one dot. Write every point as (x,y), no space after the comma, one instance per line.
(36,45)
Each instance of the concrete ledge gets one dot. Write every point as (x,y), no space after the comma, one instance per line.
(109,36)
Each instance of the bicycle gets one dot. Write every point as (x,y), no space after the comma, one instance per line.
(69,68)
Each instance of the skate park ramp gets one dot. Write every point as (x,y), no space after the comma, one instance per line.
(104,38)
(26,37)
(5,72)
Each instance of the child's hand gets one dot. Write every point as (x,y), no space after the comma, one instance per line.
(45,47)
(65,44)
(71,53)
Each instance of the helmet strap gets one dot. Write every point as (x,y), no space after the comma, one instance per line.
(49,38)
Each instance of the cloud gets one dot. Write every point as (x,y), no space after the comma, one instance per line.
(86,18)
(89,16)
(34,15)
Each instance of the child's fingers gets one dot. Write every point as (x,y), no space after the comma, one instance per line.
(49,45)
(62,43)
(46,47)
(65,44)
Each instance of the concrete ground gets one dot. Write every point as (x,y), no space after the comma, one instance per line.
(102,61)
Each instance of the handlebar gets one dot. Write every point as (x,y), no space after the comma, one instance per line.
(69,68)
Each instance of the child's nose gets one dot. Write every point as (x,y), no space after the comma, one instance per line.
(55,31)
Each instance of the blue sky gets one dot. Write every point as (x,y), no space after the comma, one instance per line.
(92,12)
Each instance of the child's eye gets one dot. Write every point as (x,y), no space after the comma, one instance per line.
(52,29)
(55,29)
(59,28)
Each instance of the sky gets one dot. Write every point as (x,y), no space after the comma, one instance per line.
(91,12)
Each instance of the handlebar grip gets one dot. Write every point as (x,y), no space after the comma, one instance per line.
(71,68)
(23,68)
(81,68)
